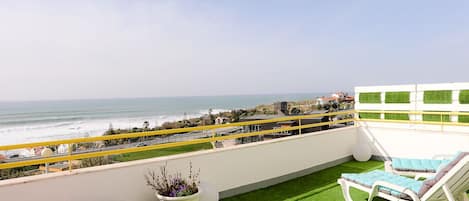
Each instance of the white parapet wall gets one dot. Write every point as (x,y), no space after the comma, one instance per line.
(387,141)
(223,169)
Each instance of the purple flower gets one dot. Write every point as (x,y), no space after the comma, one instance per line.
(173,194)
(173,185)
(182,187)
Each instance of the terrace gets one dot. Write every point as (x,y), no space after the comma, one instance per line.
(300,167)
(321,185)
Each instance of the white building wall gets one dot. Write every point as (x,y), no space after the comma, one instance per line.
(416,98)
(383,90)
(413,139)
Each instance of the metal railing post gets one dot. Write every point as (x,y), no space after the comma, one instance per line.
(356,118)
(441,121)
(69,154)
(299,123)
(213,137)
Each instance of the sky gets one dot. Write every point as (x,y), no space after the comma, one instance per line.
(119,49)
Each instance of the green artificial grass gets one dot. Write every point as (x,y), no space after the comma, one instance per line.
(436,117)
(463,118)
(438,97)
(396,116)
(370,97)
(464,97)
(162,152)
(397,97)
(318,186)
(369,115)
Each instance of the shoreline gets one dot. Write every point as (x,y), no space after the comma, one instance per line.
(119,116)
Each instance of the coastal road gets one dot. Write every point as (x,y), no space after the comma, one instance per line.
(159,140)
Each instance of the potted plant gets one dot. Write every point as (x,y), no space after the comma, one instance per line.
(174,187)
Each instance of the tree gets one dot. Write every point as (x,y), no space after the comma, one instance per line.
(146,125)
(211,116)
(235,115)
(110,130)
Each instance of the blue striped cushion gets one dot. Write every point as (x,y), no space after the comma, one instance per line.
(417,165)
(369,178)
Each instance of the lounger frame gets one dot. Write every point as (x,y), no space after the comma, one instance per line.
(451,187)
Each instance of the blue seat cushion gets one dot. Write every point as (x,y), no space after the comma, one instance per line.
(369,178)
(417,165)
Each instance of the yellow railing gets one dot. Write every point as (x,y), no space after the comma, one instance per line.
(98,153)
(74,156)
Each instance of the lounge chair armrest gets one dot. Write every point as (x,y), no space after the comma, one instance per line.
(395,187)
(388,166)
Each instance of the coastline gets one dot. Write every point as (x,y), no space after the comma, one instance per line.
(42,121)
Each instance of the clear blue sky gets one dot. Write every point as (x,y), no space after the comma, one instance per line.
(106,49)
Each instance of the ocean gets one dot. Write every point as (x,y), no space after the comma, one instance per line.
(33,121)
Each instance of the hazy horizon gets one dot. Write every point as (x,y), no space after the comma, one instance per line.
(182,96)
(63,50)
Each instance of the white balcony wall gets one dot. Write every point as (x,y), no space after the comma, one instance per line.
(414,141)
(224,169)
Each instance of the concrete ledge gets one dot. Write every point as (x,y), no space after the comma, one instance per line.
(271,182)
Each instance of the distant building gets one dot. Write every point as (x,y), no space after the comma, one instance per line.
(281,107)
(62,149)
(221,120)
(255,128)
(279,125)
(337,97)
(324,100)
(349,99)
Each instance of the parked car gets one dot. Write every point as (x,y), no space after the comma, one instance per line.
(141,144)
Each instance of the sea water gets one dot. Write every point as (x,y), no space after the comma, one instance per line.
(33,121)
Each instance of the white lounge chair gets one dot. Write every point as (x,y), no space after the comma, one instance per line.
(450,183)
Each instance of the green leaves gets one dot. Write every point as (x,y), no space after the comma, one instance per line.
(370,97)
(397,97)
(438,97)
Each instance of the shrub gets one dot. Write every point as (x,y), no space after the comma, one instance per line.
(464,97)
(370,97)
(436,117)
(463,118)
(18,172)
(438,97)
(369,115)
(96,161)
(396,116)
(173,185)
(397,97)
